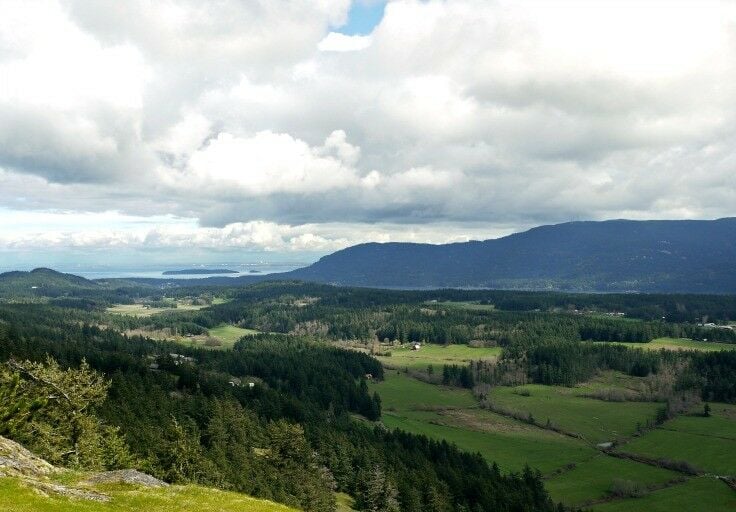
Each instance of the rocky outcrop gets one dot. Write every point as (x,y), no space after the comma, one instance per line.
(126,476)
(33,471)
(17,461)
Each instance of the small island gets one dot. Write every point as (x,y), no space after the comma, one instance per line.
(198,271)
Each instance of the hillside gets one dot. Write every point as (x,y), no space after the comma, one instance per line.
(30,484)
(41,281)
(619,255)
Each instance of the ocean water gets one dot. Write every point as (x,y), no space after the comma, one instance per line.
(157,272)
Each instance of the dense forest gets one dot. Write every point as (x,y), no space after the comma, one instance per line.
(287,414)
(187,416)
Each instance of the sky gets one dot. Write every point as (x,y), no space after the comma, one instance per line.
(189,131)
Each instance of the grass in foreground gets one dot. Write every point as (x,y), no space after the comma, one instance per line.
(16,496)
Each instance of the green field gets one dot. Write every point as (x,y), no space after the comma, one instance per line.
(721,423)
(465,305)
(229,334)
(680,344)
(16,496)
(591,480)
(708,453)
(577,474)
(437,356)
(142,310)
(225,335)
(597,421)
(697,494)
(453,414)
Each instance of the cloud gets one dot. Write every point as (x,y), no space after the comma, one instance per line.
(452,114)
(337,42)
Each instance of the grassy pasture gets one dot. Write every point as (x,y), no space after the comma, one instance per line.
(142,311)
(465,305)
(453,414)
(229,334)
(400,392)
(226,334)
(709,453)
(591,479)
(597,421)
(15,496)
(721,423)
(679,344)
(707,494)
(437,356)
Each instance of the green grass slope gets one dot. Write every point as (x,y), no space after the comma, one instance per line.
(17,496)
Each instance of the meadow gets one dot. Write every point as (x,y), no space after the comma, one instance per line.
(142,310)
(679,344)
(595,420)
(592,479)
(709,453)
(437,356)
(703,493)
(454,415)
(576,473)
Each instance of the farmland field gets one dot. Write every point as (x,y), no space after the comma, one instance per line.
(142,310)
(575,472)
(680,344)
(453,414)
(597,421)
(708,453)
(592,479)
(224,336)
(437,355)
(229,334)
(706,494)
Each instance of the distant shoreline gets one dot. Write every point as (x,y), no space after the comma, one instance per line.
(199,271)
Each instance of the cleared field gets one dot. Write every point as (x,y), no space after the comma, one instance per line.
(721,423)
(711,454)
(437,356)
(453,415)
(680,344)
(465,305)
(402,393)
(706,494)
(16,496)
(225,334)
(592,479)
(142,310)
(597,421)
(229,334)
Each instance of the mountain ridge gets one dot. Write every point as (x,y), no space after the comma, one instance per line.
(615,255)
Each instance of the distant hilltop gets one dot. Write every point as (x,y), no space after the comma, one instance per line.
(199,271)
(669,256)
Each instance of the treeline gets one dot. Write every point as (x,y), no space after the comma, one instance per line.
(407,323)
(289,438)
(712,375)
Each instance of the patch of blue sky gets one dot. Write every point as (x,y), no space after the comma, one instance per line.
(363,17)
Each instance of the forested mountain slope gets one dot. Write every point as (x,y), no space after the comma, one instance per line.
(619,255)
